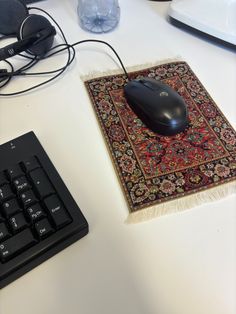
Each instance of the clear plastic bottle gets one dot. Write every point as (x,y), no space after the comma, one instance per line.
(98,16)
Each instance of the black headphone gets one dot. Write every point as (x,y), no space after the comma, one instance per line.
(34,32)
(35,36)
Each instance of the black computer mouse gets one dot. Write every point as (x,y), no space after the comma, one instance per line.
(158,105)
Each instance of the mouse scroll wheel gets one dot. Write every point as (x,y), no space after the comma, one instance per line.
(162,93)
(147,84)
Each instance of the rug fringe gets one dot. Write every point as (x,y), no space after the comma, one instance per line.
(134,68)
(182,203)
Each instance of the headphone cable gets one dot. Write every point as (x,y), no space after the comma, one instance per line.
(34,60)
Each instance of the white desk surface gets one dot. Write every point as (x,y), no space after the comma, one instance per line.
(178,264)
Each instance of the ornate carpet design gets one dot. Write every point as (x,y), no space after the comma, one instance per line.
(152,168)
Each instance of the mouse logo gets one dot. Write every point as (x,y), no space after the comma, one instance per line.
(164,94)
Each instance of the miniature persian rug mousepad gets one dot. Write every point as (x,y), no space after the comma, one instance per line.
(164,174)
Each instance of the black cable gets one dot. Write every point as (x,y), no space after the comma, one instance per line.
(99,41)
(61,70)
(35,86)
(29,65)
(53,71)
(8,78)
(34,60)
(105,43)
(13,72)
(25,56)
(55,22)
(77,43)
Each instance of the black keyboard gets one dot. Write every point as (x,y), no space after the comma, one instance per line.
(38,216)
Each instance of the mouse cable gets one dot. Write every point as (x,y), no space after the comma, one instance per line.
(73,45)
(83,41)
(34,86)
(105,43)
(19,72)
(60,70)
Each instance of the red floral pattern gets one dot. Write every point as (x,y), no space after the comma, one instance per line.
(155,168)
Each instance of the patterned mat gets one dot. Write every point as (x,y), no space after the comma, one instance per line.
(161,174)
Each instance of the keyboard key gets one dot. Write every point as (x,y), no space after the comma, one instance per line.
(41,183)
(17,222)
(29,230)
(16,244)
(21,184)
(30,164)
(43,228)
(4,233)
(1,218)
(28,198)
(57,211)
(3,179)
(11,207)
(5,192)
(14,172)
(35,212)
